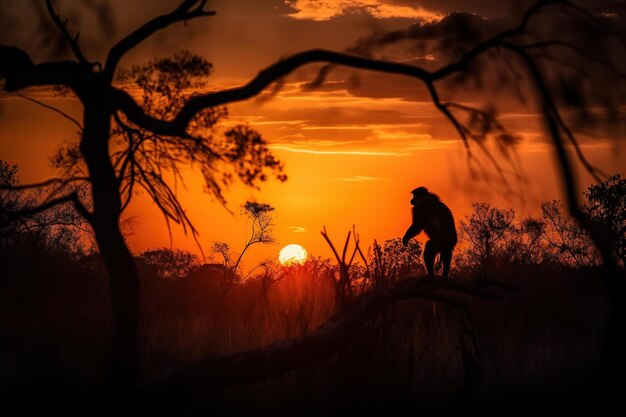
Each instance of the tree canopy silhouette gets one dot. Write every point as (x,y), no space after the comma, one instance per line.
(129,141)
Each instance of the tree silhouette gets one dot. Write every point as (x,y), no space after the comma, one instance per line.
(606,204)
(170,263)
(530,245)
(343,283)
(549,56)
(59,229)
(115,155)
(261,218)
(261,221)
(489,231)
(569,242)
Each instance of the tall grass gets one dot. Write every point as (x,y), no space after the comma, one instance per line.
(539,349)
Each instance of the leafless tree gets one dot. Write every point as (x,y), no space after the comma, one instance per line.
(343,284)
(261,221)
(531,245)
(261,218)
(570,243)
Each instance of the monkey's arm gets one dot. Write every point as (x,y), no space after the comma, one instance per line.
(413,231)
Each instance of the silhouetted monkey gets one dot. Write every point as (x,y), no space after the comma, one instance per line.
(434,218)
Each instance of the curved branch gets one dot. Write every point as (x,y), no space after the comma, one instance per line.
(443,108)
(276,71)
(543,89)
(70,198)
(177,126)
(605,63)
(330,243)
(188,9)
(281,357)
(61,181)
(19,71)
(555,125)
(54,109)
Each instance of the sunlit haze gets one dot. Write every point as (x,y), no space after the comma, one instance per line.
(352,150)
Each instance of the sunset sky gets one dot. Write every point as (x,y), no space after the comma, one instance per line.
(353,149)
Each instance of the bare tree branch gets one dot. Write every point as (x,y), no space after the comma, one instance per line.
(60,181)
(54,109)
(325,235)
(70,198)
(188,9)
(62,25)
(555,125)
(276,71)
(177,126)
(585,54)
(276,359)
(19,71)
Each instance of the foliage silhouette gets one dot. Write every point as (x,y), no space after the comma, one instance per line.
(489,230)
(606,204)
(394,260)
(170,263)
(61,229)
(565,237)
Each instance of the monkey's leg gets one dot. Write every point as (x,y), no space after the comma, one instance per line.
(446,260)
(429,257)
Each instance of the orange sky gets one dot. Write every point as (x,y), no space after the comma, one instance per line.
(352,157)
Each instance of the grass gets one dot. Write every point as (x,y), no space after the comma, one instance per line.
(537,352)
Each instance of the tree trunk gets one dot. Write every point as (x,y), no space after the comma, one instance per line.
(124,299)
(613,359)
(122,272)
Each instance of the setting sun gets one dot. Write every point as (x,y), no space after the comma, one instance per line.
(292,254)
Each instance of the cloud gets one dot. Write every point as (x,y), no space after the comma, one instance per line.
(487,8)
(359,178)
(38,93)
(297,229)
(320,10)
(355,152)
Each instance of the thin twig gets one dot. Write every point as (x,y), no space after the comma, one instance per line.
(54,109)
(72,41)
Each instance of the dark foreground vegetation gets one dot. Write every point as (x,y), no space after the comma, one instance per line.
(537,351)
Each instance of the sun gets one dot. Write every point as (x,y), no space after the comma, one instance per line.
(292,254)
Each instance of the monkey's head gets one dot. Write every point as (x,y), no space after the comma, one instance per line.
(419,194)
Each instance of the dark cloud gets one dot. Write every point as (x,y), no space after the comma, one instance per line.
(27,24)
(584,67)
(454,34)
(333,116)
